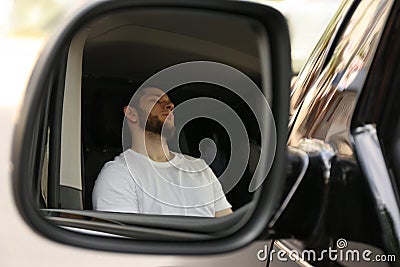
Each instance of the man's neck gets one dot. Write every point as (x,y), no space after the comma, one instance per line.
(152,145)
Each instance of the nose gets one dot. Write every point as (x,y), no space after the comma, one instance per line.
(169,105)
(166,103)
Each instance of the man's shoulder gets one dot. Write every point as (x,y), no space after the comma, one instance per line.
(117,165)
(112,181)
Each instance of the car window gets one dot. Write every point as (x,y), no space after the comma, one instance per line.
(319,57)
(329,104)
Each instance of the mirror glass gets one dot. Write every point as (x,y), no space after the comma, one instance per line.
(164,112)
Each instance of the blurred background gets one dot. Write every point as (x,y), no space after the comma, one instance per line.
(307,19)
(25,25)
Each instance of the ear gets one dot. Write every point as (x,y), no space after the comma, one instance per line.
(131,114)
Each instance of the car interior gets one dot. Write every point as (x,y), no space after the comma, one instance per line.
(118,53)
(122,51)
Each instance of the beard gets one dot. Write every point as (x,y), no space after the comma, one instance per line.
(154,125)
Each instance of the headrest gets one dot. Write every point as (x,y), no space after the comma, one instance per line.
(103,112)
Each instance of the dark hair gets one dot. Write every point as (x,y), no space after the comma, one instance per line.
(135,100)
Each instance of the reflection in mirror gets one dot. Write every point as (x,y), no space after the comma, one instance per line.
(164,112)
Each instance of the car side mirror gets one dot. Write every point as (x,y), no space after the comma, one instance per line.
(225,65)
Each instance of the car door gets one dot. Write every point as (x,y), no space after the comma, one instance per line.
(323,99)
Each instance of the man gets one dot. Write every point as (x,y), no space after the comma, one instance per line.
(149,178)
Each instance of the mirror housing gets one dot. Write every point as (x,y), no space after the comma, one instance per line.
(29,142)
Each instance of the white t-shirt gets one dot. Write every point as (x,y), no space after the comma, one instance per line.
(133,183)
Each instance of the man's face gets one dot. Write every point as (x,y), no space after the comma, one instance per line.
(157,105)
